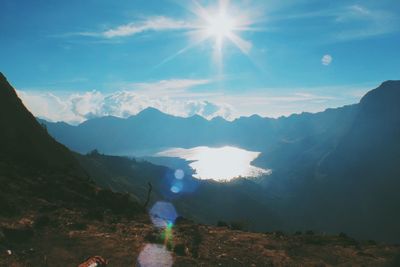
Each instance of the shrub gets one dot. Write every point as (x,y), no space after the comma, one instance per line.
(309,232)
(279,233)
(154,237)
(180,249)
(119,204)
(7,208)
(222,224)
(343,235)
(93,153)
(41,222)
(182,220)
(237,226)
(95,214)
(79,226)
(18,235)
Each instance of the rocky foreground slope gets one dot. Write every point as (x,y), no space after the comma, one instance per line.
(66,238)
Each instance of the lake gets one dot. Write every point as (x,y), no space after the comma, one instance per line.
(220,164)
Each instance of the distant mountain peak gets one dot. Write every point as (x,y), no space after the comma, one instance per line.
(218,119)
(388,93)
(150,111)
(390,83)
(197,117)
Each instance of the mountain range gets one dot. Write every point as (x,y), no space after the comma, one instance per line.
(152,130)
(332,171)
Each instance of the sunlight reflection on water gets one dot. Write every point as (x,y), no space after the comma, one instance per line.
(221,164)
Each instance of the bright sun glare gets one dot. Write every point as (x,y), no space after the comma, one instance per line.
(223,23)
(219,23)
(220,26)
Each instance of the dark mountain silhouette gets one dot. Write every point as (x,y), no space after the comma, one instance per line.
(24,142)
(347,177)
(37,171)
(365,165)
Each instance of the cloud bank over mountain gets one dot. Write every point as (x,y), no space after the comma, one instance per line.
(178,100)
(78,107)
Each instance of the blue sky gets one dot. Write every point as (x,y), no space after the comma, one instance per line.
(73,60)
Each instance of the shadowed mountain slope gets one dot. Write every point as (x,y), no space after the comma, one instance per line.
(37,171)
(24,142)
(345,179)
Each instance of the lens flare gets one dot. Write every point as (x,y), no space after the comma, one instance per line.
(162,214)
(168,235)
(179,174)
(155,255)
(176,187)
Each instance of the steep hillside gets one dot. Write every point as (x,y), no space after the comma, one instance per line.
(41,183)
(365,166)
(35,170)
(24,142)
(346,178)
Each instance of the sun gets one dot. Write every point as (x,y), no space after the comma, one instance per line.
(220,26)
(219,23)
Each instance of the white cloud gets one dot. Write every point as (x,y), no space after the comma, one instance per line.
(349,22)
(179,101)
(365,23)
(157,23)
(360,10)
(170,85)
(170,96)
(326,60)
(77,108)
(208,109)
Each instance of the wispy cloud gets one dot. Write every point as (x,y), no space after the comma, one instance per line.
(169,85)
(347,22)
(364,23)
(156,23)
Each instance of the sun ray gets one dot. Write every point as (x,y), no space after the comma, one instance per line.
(242,44)
(195,41)
(219,24)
